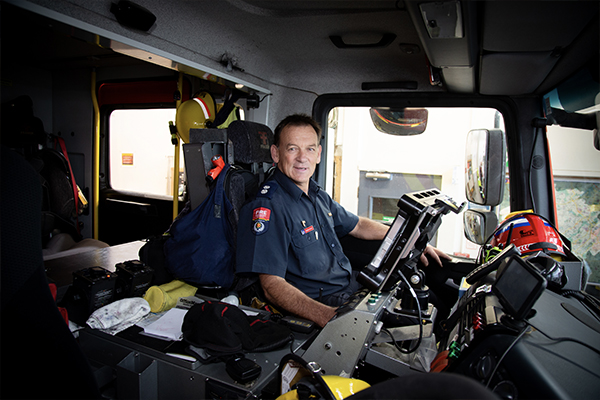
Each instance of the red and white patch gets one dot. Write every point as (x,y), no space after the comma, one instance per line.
(261,213)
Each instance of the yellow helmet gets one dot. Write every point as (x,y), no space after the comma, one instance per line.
(194,114)
(339,388)
(296,375)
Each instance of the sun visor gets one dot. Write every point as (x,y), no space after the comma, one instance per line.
(514,73)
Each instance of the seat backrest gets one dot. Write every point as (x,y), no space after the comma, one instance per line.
(251,151)
(245,144)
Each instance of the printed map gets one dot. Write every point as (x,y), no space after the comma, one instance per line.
(578,205)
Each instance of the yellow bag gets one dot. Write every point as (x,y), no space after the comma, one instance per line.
(164,297)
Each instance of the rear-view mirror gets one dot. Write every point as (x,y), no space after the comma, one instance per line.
(399,121)
(485,162)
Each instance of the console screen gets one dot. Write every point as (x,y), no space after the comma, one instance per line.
(518,287)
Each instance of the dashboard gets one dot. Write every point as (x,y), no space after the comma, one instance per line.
(508,331)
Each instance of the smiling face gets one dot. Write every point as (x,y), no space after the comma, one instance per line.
(297,154)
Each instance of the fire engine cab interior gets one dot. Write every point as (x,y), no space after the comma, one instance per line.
(100,316)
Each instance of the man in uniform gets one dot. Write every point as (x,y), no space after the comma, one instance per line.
(289,234)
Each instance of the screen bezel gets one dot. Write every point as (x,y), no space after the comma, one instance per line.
(517,296)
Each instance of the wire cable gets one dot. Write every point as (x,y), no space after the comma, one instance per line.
(589,302)
(418,342)
(535,136)
(508,349)
(564,339)
(399,346)
(292,343)
(264,97)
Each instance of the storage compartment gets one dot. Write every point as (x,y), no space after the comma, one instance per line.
(137,377)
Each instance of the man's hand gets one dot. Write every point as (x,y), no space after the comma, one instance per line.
(434,253)
(282,294)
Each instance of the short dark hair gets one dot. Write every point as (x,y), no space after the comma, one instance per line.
(297,120)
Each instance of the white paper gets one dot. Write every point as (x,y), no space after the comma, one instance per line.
(168,326)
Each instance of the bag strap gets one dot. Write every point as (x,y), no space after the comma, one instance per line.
(63,149)
(227,108)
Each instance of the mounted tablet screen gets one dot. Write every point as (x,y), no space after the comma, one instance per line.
(518,287)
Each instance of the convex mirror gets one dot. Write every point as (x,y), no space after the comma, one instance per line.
(479,225)
(399,121)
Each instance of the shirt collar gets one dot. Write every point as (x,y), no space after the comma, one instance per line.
(289,186)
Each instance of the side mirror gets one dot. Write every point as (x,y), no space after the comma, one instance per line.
(485,162)
(479,225)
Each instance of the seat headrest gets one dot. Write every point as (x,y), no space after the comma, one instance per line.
(251,142)
(207,135)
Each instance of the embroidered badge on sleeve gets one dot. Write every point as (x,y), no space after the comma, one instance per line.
(260,220)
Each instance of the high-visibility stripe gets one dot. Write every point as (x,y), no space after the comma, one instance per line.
(203,106)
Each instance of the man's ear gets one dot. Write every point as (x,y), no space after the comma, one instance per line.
(275,153)
(319,154)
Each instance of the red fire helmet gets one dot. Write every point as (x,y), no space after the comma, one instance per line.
(529,232)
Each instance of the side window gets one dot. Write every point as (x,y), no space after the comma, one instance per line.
(368,170)
(576,169)
(141,153)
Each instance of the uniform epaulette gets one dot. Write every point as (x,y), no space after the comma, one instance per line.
(268,189)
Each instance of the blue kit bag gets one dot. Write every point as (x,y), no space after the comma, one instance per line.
(201,247)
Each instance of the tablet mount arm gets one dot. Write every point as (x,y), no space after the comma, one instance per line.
(418,219)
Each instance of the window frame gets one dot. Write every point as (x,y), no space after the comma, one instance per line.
(147,93)
(325,103)
(506,106)
(105,172)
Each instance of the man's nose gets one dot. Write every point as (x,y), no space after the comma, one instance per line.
(302,155)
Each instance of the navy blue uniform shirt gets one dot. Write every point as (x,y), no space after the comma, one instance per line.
(286,233)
